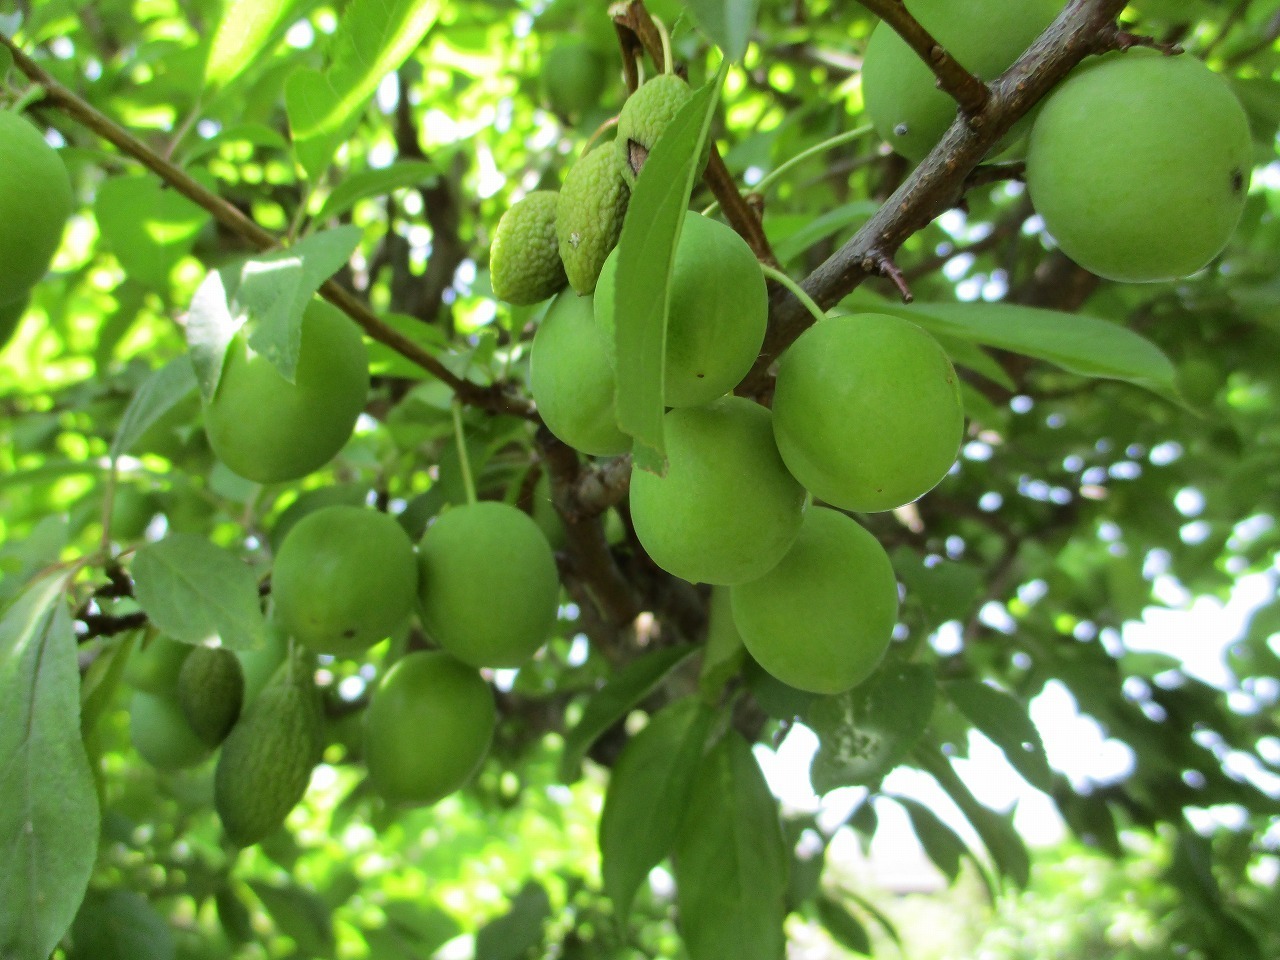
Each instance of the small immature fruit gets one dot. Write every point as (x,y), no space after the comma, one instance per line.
(719,308)
(574,76)
(1139,165)
(572,381)
(524,261)
(154,668)
(727,510)
(211,692)
(428,728)
(821,619)
(344,579)
(161,734)
(644,117)
(35,202)
(269,430)
(867,411)
(985,37)
(488,582)
(589,217)
(266,761)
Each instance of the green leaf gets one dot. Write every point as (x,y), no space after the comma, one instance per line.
(728,23)
(615,700)
(1076,342)
(816,229)
(373,39)
(941,844)
(518,931)
(194,591)
(843,926)
(723,653)
(245,32)
(270,292)
(148,226)
(648,791)
(646,256)
(965,353)
(864,733)
(6,62)
(1004,720)
(49,816)
(300,915)
(947,590)
(375,183)
(120,925)
(731,860)
(163,390)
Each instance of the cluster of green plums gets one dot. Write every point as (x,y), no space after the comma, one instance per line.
(35,192)
(1138,162)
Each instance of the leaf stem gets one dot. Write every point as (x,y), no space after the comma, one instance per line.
(468,482)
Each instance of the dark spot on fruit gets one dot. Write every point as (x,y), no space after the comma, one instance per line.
(1237,181)
(701,375)
(637,154)
(349,633)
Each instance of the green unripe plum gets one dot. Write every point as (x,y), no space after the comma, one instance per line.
(719,308)
(309,501)
(10,317)
(154,668)
(1139,165)
(428,728)
(574,76)
(211,692)
(727,509)
(822,619)
(571,380)
(488,585)
(984,36)
(344,579)
(35,202)
(161,734)
(269,430)
(867,411)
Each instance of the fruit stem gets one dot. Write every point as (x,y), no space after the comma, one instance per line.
(667,66)
(467,482)
(774,175)
(796,289)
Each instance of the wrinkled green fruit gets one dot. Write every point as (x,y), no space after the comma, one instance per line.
(644,117)
(524,261)
(10,317)
(1139,165)
(344,579)
(211,692)
(727,510)
(822,619)
(985,37)
(154,668)
(488,582)
(574,76)
(160,733)
(266,761)
(269,430)
(428,728)
(867,411)
(589,217)
(35,202)
(719,308)
(572,381)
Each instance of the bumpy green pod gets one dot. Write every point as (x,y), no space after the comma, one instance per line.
(266,761)
(524,263)
(589,217)
(643,118)
(211,692)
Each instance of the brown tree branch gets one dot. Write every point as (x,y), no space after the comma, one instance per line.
(953,79)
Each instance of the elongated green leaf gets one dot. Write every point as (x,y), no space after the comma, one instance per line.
(846,929)
(723,653)
(374,183)
(648,791)
(815,230)
(194,591)
(518,931)
(120,925)
(300,915)
(728,23)
(1005,721)
(246,30)
(615,699)
(646,254)
(731,860)
(49,815)
(941,844)
(374,38)
(864,733)
(1075,342)
(159,394)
